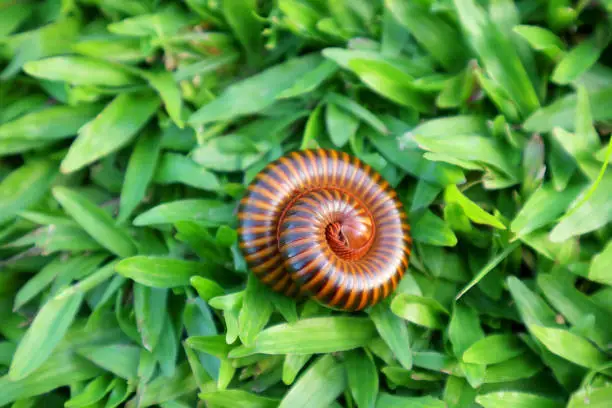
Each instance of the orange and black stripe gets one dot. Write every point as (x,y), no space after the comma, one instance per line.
(322,223)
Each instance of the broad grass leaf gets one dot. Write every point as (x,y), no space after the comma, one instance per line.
(17,146)
(206,212)
(443,126)
(206,288)
(13,16)
(392,78)
(575,306)
(589,215)
(160,272)
(319,386)
(406,69)
(426,312)
(488,267)
(358,111)
(599,270)
(285,306)
(561,113)
(79,70)
(18,107)
(523,366)
(119,359)
(591,397)
(198,321)
(93,392)
(498,55)
(577,61)
(7,350)
(341,125)
(112,48)
(541,39)
(169,92)
(311,80)
(588,139)
(458,392)
(238,99)
(471,209)
(397,401)
(53,239)
(150,310)
(204,66)
(493,349)
(166,21)
(177,168)
(531,307)
(292,365)
(432,32)
(400,377)
(403,152)
(229,399)
(50,39)
(214,345)
(97,222)
(44,334)
(362,378)
(120,392)
(61,369)
(314,335)
(112,129)
(464,329)
(52,123)
(394,332)
(227,154)
(25,186)
(542,208)
(504,399)
(444,264)
(571,347)
(301,17)
(163,389)
(474,148)
(241,16)
(167,350)
(256,310)
(385,81)
(92,280)
(199,373)
(139,173)
(424,194)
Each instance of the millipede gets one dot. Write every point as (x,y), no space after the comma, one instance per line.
(321,223)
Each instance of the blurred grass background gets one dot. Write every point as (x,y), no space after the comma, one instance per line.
(130,128)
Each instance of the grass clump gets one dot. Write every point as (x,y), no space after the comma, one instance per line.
(129,130)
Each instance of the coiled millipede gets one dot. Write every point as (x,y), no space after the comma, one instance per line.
(322,223)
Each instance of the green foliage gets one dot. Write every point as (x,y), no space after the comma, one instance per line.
(129,130)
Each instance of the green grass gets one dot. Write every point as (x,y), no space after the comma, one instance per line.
(129,130)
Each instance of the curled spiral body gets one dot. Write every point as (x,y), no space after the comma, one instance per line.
(322,223)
